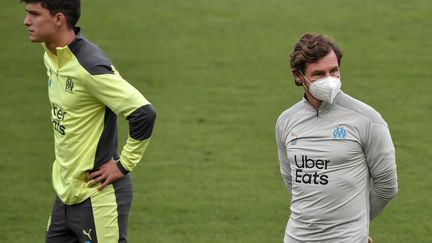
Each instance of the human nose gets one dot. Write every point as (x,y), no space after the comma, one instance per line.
(27,21)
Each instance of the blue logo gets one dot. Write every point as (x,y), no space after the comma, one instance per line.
(87,241)
(339,132)
(49,82)
(294,138)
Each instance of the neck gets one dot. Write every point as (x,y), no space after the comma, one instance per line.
(313,101)
(62,39)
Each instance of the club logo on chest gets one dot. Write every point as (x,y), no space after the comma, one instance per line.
(69,85)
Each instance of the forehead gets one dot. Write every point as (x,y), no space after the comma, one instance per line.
(35,7)
(326,63)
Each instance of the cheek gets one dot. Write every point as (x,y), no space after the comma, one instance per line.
(44,27)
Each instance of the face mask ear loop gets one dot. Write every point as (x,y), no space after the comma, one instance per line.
(307,89)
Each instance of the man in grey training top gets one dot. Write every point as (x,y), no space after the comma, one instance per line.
(330,146)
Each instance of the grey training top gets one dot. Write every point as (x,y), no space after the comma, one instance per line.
(327,158)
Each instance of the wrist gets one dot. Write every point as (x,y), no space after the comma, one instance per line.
(121,168)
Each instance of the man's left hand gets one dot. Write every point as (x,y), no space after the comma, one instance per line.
(106,174)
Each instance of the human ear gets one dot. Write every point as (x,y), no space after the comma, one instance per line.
(60,19)
(297,77)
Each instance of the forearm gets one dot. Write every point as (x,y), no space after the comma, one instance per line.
(141,123)
(384,189)
(287,181)
(132,153)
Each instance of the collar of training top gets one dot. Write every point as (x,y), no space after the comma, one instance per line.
(63,53)
(324,106)
(74,44)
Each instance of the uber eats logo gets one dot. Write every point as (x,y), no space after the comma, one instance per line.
(58,118)
(304,164)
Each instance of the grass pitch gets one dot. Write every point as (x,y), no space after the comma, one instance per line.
(218,74)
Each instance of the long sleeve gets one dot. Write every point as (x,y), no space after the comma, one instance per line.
(380,157)
(123,99)
(284,164)
(141,123)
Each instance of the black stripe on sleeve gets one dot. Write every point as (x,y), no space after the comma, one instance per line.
(141,122)
(121,168)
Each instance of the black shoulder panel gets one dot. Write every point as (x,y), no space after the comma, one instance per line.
(90,56)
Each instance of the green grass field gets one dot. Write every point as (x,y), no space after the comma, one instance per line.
(218,74)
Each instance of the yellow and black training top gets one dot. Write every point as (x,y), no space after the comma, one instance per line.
(86,95)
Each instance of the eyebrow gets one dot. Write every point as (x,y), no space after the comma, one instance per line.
(319,72)
(32,11)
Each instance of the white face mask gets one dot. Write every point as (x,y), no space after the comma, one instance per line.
(324,89)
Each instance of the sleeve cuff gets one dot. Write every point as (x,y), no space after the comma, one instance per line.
(121,168)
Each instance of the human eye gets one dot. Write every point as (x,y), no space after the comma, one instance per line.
(334,70)
(318,74)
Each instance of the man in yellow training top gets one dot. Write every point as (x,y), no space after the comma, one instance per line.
(86,93)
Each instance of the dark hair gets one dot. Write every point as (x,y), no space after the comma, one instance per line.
(311,48)
(71,9)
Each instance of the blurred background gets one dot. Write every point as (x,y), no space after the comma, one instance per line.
(218,74)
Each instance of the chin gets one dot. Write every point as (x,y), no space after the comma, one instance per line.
(33,39)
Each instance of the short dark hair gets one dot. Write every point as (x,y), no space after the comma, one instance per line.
(311,48)
(71,9)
